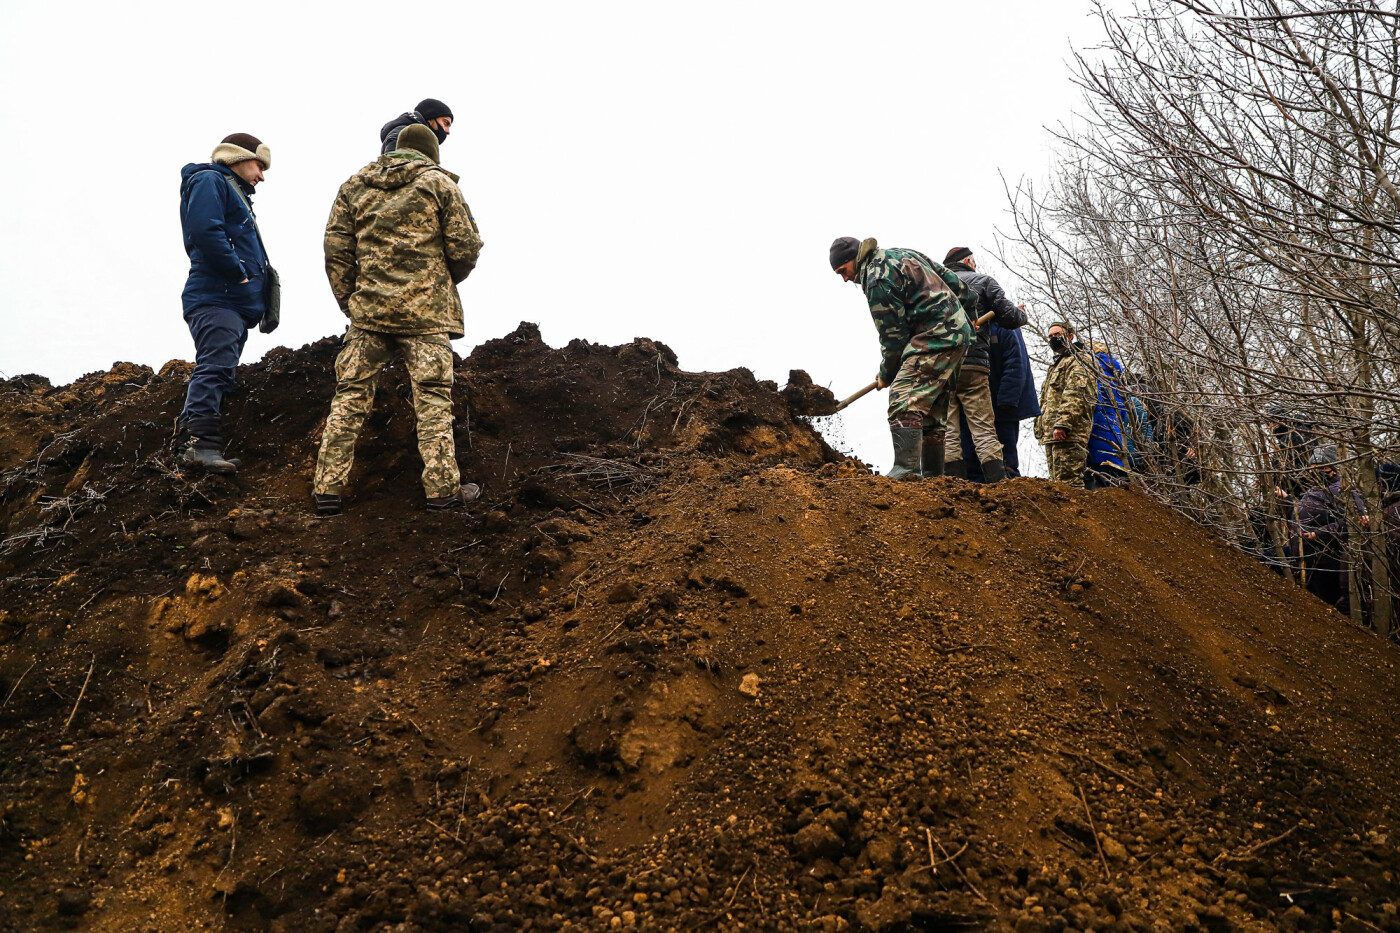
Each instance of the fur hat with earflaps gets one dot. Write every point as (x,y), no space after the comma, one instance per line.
(419,138)
(240,147)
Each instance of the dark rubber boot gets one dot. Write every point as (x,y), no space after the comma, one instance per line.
(467,492)
(957,468)
(993,471)
(933,459)
(326,503)
(908,453)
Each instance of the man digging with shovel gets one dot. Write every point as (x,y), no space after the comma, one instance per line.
(924,315)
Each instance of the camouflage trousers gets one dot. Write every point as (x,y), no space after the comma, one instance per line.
(428,359)
(927,373)
(1067,460)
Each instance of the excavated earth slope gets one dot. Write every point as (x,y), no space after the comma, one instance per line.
(683,668)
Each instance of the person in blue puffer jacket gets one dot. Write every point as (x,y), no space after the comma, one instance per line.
(224,293)
(1108,446)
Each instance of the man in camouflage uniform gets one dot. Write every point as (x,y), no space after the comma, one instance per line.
(399,239)
(1067,400)
(924,314)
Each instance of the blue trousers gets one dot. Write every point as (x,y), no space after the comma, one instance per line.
(1008,432)
(219,335)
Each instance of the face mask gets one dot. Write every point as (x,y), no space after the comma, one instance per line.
(1059,344)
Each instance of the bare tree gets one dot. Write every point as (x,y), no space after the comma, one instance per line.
(1225,216)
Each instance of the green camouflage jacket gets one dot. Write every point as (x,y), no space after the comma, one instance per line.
(910,294)
(399,239)
(1067,398)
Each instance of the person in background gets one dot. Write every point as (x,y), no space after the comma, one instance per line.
(1322,519)
(225,292)
(1067,399)
(1288,444)
(1013,390)
(1162,435)
(972,396)
(430,112)
(1108,455)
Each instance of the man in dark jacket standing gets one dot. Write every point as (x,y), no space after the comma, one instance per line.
(1014,394)
(224,293)
(972,396)
(430,112)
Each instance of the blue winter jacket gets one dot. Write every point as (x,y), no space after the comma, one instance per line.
(1107,440)
(222,242)
(1010,376)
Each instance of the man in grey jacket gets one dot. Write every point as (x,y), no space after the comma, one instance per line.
(972,396)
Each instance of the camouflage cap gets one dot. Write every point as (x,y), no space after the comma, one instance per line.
(1069,328)
(419,138)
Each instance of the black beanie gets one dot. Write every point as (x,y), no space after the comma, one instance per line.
(430,109)
(957,253)
(843,250)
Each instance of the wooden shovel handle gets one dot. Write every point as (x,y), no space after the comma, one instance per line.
(977,324)
(861,394)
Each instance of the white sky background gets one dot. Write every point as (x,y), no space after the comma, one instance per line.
(637,169)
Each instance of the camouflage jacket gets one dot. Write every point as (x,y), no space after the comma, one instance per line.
(910,294)
(1067,398)
(399,239)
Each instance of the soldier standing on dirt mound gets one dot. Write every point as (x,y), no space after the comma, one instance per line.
(231,287)
(433,114)
(1067,401)
(972,395)
(399,239)
(923,313)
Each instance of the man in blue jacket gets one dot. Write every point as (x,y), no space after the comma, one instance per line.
(224,293)
(1013,393)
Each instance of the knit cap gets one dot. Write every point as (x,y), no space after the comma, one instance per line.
(420,139)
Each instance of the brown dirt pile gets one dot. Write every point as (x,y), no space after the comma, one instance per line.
(682,669)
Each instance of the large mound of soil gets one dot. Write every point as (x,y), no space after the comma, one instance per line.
(682,668)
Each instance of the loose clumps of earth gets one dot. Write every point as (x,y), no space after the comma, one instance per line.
(683,667)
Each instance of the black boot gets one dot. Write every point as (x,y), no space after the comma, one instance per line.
(908,453)
(202,442)
(467,492)
(957,468)
(326,504)
(993,471)
(933,456)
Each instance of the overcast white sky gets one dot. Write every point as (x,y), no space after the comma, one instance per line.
(637,169)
